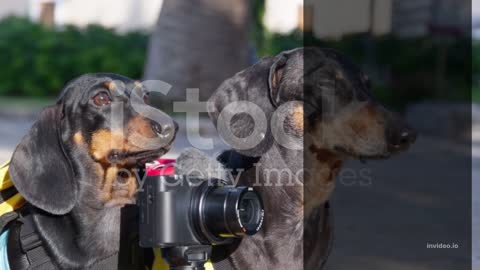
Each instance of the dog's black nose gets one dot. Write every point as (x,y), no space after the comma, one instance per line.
(400,138)
(164,130)
(157,128)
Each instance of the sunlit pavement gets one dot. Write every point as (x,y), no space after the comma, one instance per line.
(11,132)
(368,205)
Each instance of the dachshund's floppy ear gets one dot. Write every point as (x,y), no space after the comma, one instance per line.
(40,168)
(286,77)
(275,77)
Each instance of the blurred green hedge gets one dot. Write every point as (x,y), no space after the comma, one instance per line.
(37,61)
(402,70)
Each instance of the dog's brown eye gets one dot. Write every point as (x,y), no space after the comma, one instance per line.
(146,98)
(101,99)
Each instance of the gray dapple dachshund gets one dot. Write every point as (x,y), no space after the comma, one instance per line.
(329,110)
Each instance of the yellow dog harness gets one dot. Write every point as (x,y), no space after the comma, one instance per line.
(14,202)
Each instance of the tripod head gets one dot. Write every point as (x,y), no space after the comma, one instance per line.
(187,257)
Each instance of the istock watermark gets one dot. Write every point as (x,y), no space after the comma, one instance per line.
(193,107)
(245,126)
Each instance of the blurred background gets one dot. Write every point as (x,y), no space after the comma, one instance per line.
(419,54)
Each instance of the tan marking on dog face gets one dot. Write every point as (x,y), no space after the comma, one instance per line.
(141,133)
(368,126)
(364,119)
(359,129)
(78,138)
(297,116)
(124,187)
(118,185)
(106,190)
(104,141)
(142,126)
(110,85)
(132,185)
(276,77)
(99,170)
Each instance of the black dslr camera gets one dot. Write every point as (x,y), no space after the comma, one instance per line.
(185,216)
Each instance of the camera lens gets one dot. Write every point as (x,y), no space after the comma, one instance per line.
(250,211)
(231,212)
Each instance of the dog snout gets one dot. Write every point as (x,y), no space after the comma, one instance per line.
(400,136)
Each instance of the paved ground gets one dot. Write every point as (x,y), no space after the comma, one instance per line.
(386,220)
(390,210)
(11,132)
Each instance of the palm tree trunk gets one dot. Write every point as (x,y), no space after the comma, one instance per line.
(198,44)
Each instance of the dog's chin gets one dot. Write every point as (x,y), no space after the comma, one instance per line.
(363,157)
(147,158)
(130,160)
(119,202)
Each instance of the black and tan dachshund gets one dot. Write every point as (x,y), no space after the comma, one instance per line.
(329,115)
(76,169)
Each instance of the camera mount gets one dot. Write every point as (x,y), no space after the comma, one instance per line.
(187,257)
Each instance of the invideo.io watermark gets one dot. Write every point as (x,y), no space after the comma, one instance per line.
(440,245)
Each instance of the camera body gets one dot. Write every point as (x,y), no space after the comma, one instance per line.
(179,210)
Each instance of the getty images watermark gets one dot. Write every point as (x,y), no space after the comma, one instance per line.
(271,177)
